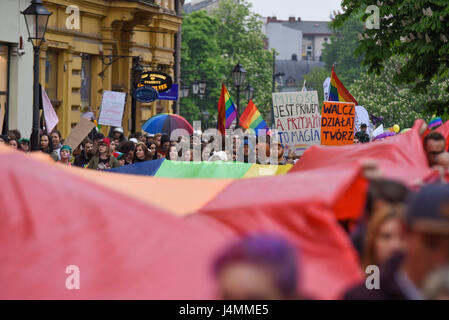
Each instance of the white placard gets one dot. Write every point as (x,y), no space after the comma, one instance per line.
(361,116)
(112,108)
(297,119)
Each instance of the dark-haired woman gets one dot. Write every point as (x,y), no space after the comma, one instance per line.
(45,144)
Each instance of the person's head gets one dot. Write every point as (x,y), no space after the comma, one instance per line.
(262,151)
(24,144)
(173,153)
(436,285)
(56,138)
(188,155)
(4,139)
(88,147)
(14,143)
(356,141)
(434,144)
(112,146)
(152,149)
(165,143)
(127,147)
(65,153)
(427,236)
(16,133)
(97,138)
(45,141)
(258,267)
(382,194)
(442,160)
(117,133)
(363,127)
(117,142)
(384,236)
(103,147)
(142,138)
(141,152)
(157,139)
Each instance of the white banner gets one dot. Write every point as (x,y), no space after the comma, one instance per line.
(112,108)
(297,119)
(326,88)
(361,116)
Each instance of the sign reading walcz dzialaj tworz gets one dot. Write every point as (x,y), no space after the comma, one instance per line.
(297,118)
(158,80)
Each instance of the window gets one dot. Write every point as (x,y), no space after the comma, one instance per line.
(86,67)
(51,74)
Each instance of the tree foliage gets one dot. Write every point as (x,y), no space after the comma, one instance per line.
(212,45)
(340,50)
(314,81)
(416,30)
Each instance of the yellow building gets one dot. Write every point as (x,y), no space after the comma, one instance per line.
(75,66)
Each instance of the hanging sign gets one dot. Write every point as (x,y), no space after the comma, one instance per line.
(146,94)
(160,81)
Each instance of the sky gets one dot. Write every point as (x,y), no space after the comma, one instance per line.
(306,9)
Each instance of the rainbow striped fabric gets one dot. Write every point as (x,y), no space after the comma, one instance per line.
(226,110)
(252,119)
(435,122)
(338,92)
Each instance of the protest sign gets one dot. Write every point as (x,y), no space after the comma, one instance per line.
(337,123)
(112,108)
(78,133)
(297,119)
(361,116)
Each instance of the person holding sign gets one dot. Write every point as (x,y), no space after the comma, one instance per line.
(362,136)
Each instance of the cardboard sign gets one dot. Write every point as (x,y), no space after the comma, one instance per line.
(297,119)
(78,133)
(337,123)
(112,108)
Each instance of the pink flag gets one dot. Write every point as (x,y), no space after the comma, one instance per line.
(51,119)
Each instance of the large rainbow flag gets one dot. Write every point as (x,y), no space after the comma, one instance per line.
(338,92)
(252,119)
(226,110)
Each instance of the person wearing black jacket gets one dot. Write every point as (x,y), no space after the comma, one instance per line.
(362,136)
(86,154)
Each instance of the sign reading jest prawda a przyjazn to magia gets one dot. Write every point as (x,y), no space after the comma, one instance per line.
(297,119)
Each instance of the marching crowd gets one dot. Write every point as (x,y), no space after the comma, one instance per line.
(100,152)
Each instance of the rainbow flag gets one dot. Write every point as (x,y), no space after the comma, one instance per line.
(252,119)
(435,122)
(226,110)
(338,92)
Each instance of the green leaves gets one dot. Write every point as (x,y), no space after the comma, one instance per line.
(416,29)
(212,44)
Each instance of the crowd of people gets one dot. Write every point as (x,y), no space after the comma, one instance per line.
(402,232)
(100,152)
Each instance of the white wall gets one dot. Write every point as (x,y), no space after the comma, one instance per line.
(285,40)
(12,26)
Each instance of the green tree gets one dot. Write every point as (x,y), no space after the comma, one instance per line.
(416,30)
(340,50)
(212,45)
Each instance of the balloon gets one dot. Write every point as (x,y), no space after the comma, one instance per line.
(396,128)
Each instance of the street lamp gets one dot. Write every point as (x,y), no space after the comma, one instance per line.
(136,73)
(36,19)
(238,76)
(185,90)
(195,87)
(249,92)
(202,87)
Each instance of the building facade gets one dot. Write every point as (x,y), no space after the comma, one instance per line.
(305,39)
(197,5)
(89,48)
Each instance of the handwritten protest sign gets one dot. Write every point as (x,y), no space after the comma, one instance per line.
(297,119)
(337,123)
(78,133)
(112,108)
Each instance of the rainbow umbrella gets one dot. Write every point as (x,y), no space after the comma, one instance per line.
(166,123)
